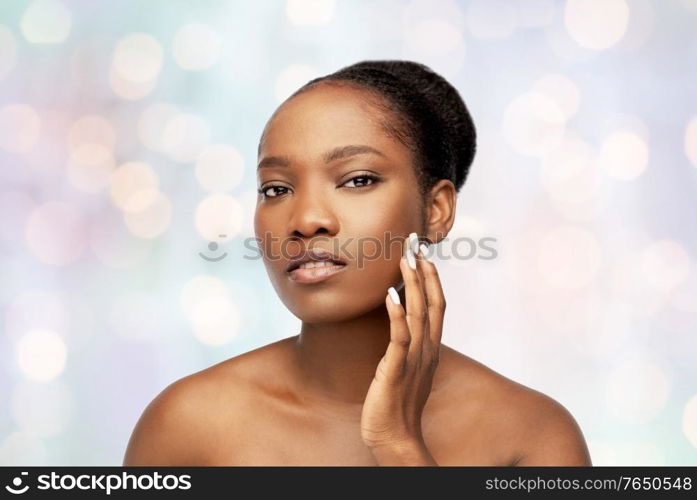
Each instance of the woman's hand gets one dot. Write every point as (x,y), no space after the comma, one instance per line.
(391,417)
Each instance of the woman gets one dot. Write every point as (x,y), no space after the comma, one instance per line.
(358,172)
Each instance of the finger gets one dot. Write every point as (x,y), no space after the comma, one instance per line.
(435,297)
(414,245)
(416,312)
(396,356)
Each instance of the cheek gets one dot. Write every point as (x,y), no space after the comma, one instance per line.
(261,222)
(266,231)
(381,224)
(377,235)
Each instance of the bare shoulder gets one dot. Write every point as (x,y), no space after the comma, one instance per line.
(533,427)
(185,419)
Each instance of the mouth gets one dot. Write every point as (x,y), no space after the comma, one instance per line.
(314,265)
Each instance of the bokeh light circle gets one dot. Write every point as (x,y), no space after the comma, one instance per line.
(152,122)
(89,167)
(310,12)
(138,58)
(623,156)
(134,186)
(533,124)
(153,220)
(665,264)
(41,354)
(216,321)
(91,129)
(130,90)
(218,214)
(568,172)
(214,316)
(562,90)
(437,41)
(219,168)
(46,22)
(637,390)
(184,137)
(596,24)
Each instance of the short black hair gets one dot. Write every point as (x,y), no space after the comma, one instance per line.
(432,119)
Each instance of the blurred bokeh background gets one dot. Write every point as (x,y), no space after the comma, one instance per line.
(128,137)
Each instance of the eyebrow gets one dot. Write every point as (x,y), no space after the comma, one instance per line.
(335,154)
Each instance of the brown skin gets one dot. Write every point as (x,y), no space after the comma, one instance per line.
(318,398)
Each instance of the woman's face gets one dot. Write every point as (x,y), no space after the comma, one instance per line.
(316,197)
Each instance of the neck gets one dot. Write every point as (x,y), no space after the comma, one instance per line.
(337,361)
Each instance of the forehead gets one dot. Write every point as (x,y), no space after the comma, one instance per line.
(325,117)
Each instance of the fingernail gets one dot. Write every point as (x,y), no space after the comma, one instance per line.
(410,259)
(414,242)
(424,251)
(394,296)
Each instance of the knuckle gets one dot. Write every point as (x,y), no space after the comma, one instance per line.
(431,358)
(439,304)
(418,314)
(433,361)
(431,269)
(403,341)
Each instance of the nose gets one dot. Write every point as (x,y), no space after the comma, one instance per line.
(311,215)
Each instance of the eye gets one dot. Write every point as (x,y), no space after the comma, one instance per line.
(263,191)
(360,181)
(364,180)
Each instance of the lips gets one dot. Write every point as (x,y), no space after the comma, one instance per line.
(315,274)
(314,255)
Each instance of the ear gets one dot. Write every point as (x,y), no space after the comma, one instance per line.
(440,210)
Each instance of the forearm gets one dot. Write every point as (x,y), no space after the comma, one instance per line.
(403,454)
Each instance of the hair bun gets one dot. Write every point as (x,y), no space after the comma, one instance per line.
(437,120)
(456,133)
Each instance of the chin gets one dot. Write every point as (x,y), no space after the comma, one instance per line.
(329,307)
(340,299)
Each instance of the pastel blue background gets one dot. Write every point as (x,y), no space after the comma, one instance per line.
(128,138)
